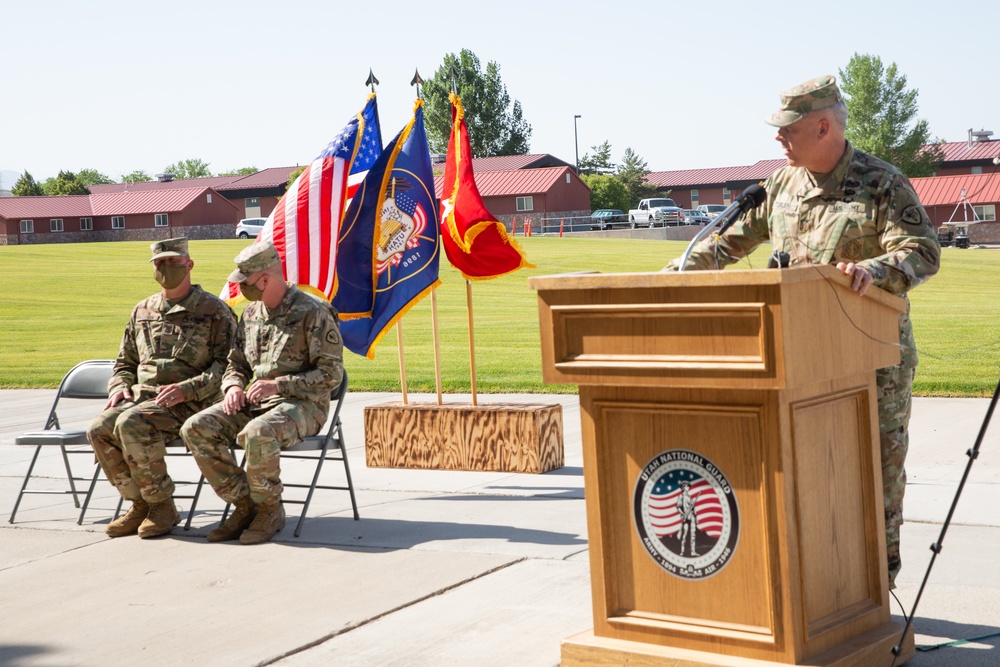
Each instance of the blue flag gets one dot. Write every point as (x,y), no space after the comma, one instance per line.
(389,245)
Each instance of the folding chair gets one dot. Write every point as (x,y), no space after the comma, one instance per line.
(330,447)
(88,379)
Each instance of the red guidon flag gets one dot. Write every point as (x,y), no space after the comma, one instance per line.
(477,244)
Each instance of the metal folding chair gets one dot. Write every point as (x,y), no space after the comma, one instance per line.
(88,380)
(329,446)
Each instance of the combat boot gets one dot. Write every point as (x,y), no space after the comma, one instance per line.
(129,523)
(244,511)
(161,519)
(269,520)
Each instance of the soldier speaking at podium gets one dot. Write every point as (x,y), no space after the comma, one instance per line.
(833,204)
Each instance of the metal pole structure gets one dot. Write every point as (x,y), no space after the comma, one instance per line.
(576,143)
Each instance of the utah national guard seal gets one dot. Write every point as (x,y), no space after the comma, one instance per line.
(686,515)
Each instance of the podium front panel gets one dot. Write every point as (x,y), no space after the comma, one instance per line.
(658,579)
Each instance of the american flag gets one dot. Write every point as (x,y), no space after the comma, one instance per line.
(663,514)
(305,225)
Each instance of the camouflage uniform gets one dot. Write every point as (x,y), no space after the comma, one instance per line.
(297,344)
(866,212)
(184,343)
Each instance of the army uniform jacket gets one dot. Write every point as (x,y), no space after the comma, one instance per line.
(297,344)
(186,343)
(865,211)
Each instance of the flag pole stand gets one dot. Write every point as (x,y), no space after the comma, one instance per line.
(437,343)
(472,341)
(402,361)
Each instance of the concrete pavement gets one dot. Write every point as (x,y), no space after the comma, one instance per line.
(444,568)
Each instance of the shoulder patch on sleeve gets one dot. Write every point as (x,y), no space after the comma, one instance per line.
(332,336)
(911,215)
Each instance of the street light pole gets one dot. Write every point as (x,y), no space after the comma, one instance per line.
(576,143)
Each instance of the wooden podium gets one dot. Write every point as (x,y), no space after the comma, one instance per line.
(731,464)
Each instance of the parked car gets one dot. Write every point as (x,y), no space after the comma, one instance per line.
(249,227)
(693,217)
(712,210)
(605,218)
(659,212)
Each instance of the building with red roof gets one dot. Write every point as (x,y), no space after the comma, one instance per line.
(134,215)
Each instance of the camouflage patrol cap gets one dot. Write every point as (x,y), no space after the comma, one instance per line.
(252,259)
(818,93)
(169,248)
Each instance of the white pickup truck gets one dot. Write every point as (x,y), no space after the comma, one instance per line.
(659,212)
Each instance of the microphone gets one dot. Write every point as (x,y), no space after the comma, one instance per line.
(752,197)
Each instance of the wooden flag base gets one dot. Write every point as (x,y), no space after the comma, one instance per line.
(871,648)
(503,437)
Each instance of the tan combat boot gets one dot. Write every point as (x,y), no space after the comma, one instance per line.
(269,520)
(161,519)
(244,511)
(129,523)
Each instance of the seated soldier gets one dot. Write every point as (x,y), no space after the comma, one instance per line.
(284,364)
(170,366)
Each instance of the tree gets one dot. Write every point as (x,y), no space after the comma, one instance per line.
(90,177)
(66,183)
(242,171)
(292,176)
(137,176)
(496,126)
(598,163)
(188,169)
(27,187)
(606,191)
(632,173)
(881,116)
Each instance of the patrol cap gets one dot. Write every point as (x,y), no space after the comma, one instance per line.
(818,93)
(169,248)
(252,259)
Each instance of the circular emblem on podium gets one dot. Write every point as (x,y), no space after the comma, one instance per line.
(686,515)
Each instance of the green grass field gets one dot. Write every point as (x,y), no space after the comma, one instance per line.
(63,303)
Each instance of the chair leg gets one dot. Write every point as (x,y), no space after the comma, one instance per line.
(194,502)
(347,470)
(24,485)
(90,493)
(69,475)
(312,489)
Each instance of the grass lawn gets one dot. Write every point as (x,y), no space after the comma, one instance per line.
(63,303)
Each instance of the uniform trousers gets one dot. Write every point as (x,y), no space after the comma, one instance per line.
(130,440)
(262,433)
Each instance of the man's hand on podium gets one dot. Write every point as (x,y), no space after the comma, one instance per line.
(862,277)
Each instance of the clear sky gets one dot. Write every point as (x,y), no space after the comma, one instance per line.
(118,86)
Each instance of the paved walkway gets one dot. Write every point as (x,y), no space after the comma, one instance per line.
(444,568)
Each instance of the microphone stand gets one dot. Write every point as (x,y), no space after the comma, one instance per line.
(973,454)
(699,236)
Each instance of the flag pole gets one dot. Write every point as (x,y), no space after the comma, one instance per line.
(437,343)
(402,362)
(472,339)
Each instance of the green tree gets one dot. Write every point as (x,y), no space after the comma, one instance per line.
(882,116)
(66,183)
(242,171)
(632,173)
(27,187)
(606,191)
(92,177)
(137,176)
(496,125)
(188,169)
(292,176)
(598,163)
